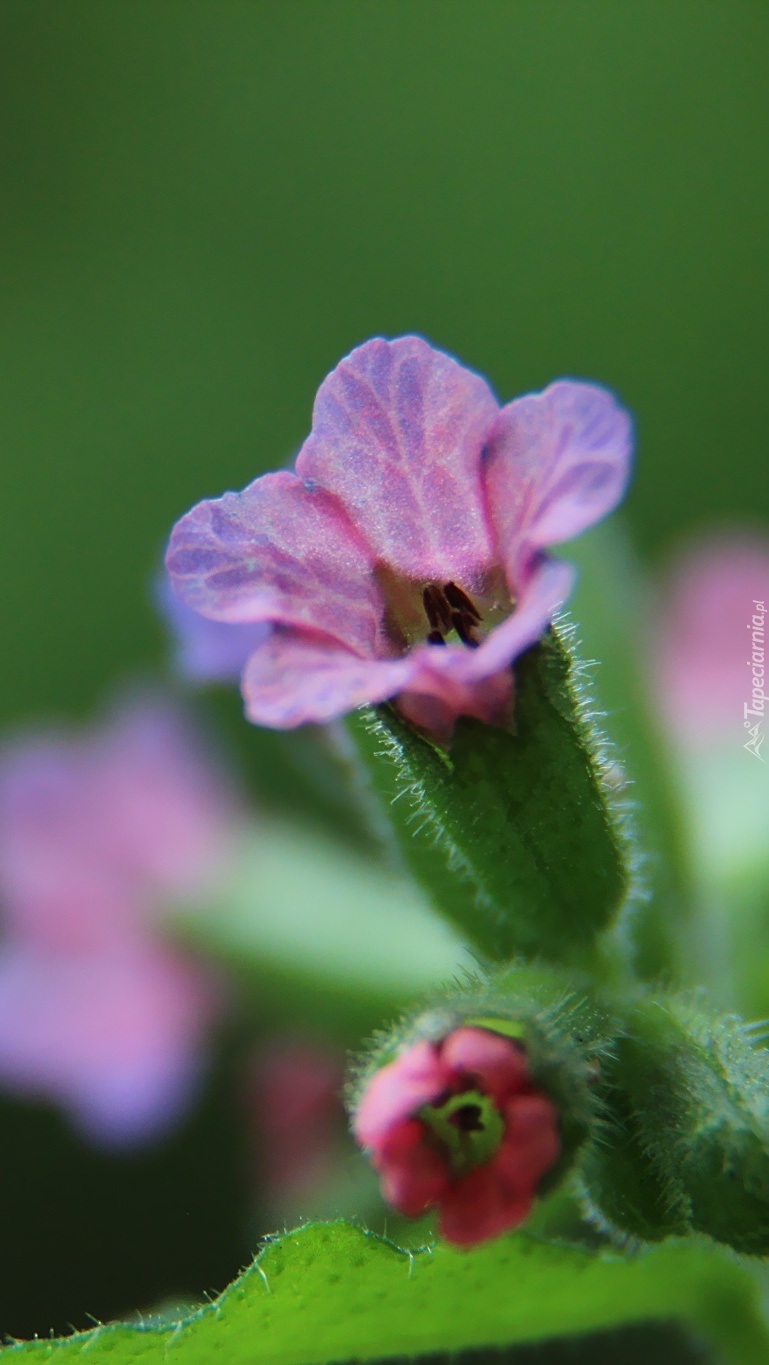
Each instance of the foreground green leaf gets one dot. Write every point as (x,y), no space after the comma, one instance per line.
(520,838)
(330,1292)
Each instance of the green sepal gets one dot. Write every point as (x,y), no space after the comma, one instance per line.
(688,1148)
(566,1036)
(521,838)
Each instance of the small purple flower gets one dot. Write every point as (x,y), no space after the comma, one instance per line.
(100,834)
(406,556)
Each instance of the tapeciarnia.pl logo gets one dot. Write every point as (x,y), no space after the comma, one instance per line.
(755,708)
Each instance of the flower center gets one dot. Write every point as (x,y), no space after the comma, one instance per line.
(449,608)
(441,613)
(467,1127)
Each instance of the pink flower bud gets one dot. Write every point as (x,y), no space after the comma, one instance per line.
(459,1125)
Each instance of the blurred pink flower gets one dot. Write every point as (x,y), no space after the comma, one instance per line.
(296,1116)
(114,1037)
(405,558)
(459,1124)
(703,655)
(100,833)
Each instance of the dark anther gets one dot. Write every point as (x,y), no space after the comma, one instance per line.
(450,608)
(459,600)
(463,627)
(436,607)
(468,1118)
(428,601)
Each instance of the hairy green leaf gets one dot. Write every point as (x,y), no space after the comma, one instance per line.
(331,1292)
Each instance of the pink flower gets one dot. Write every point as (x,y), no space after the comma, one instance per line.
(116,1038)
(458,1124)
(296,1116)
(709,680)
(704,667)
(100,833)
(406,556)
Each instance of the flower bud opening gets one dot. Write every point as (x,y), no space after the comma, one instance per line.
(468,1129)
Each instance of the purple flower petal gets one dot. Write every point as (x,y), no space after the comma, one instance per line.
(167,806)
(115,1038)
(279,551)
(295,678)
(57,888)
(557,462)
(548,585)
(96,828)
(398,430)
(206,650)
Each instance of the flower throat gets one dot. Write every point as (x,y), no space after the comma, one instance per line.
(449,608)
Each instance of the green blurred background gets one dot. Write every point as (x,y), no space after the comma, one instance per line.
(203,207)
